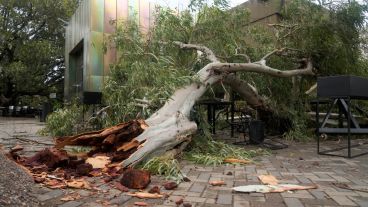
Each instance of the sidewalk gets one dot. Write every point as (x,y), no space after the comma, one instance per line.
(299,164)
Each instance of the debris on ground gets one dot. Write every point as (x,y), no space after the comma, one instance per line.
(170,185)
(143,195)
(187,205)
(179,201)
(347,187)
(217,182)
(239,161)
(136,179)
(155,189)
(140,203)
(271,188)
(120,187)
(98,162)
(268,179)
(57,168)
(79,184)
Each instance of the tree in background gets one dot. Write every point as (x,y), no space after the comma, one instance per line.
(32,46)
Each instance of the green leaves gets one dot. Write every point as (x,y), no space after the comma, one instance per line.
(164,166)
(31,36)
(64,121)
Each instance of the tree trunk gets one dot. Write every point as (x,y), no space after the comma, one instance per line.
(170,127)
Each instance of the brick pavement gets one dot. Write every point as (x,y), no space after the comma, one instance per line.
(299,164)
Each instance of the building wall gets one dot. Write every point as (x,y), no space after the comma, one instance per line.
(91,26)
(264,11)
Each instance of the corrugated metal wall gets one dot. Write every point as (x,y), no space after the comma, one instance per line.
(91,24)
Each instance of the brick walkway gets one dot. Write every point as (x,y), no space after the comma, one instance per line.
(299,164)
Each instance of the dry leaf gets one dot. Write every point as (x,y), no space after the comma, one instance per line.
(140,204)
(54,184)
(268,179)
(95,173)
(217,183)
(233,160)
(145,195)
(98,161)
(80,183)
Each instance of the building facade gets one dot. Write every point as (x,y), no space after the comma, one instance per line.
(264,11)
(86,60)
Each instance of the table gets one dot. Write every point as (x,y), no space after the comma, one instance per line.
(212,106)
(340,90)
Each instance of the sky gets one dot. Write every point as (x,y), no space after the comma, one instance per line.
(184,3)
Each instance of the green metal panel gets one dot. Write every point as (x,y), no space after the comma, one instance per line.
(95,83)
(96,53)
(76,31)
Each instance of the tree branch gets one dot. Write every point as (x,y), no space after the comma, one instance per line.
(208,52)
(260,68)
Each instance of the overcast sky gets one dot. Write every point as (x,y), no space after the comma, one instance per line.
(184,3)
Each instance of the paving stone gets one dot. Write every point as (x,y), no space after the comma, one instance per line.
(94,204)
(360,201)
(318,194)
(204,177)
(84,193)
(318,202)
(197,187)
(303,180)
(285,165)
(225,199)
(194,194)
(71,204)
(179,193)
(50,195)
(241,204)
(337,193)
(210,200)
(297,194)
(194,199)
(120,200)
(250,169)
(293,202)
(340,179)
(208,193)
(362,194)
(343,200)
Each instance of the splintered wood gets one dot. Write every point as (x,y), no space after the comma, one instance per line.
(58,168)
(117,140)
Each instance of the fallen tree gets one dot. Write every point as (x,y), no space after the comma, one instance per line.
(170,127)
(154,68)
